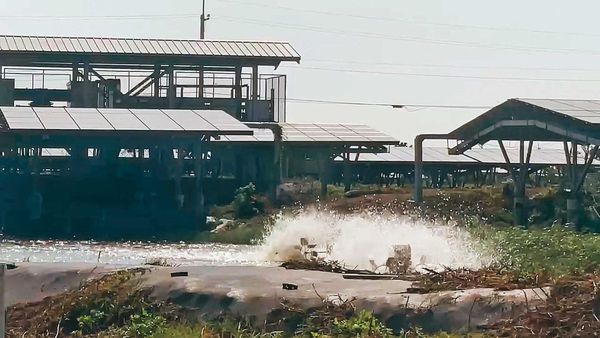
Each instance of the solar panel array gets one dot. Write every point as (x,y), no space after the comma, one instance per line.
(317,133)
(83,45)
(585,110)
(493,156)
(334,133)
(107,119)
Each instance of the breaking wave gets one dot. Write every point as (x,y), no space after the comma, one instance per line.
(355,240)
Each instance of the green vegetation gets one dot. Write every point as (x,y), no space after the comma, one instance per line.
(246,203)
(542,253)
(365,324)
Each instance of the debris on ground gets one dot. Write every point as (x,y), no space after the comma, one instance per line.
(321,265)
(572,310)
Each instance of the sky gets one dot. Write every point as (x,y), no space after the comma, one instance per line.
(425,52)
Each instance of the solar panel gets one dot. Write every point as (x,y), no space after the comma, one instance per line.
(89,119)
(21,118)
(585,110)
(123,119)
(155,119)
(335,133)
(276,50)
(108,119)
(55,118)
(189,120)
(221,120)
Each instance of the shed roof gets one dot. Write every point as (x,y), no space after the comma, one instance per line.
(475,156)
(533,120)
(130,50)
(318,134)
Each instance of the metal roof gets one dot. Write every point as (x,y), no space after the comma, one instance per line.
(105,119)
(318,133)
(584,110)
(533,120)
(333,133)
(482,156)
(281,51)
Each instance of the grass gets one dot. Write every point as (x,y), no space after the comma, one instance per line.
(551,253)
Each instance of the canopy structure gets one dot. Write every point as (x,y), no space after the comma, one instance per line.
(533,119)
(317,135)
(295,143)
(574,122)
(15,50)
(491,157)
(105,72)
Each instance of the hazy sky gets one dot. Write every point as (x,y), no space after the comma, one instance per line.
(371,51)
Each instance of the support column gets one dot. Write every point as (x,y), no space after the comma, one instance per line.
(347,172)
(572,197)
(178,174)
(171,92)
(323,173)
(201,84)
(199,184)
(277,162)
(520,201)
(157,81)
(255,93)
(238,91)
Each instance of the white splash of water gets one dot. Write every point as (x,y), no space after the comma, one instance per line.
(356,239)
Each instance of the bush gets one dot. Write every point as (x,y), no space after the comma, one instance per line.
(551,252)
(246,203)
(144,324)
(365,324)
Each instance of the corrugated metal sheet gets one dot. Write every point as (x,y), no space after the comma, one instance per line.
(585,110)
(314,133)
(338,133)
(489,156)
(79,45)
(26,118)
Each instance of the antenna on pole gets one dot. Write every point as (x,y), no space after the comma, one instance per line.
(205,17)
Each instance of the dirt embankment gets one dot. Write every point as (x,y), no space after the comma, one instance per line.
(253,292)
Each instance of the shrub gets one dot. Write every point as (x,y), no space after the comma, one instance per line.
(552,252)
(365,324)
(246,203)
(144,324)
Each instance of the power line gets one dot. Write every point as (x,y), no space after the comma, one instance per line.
(404,20)
(378,104)
(364,34)
(505,78)
(430,65)
(99,17)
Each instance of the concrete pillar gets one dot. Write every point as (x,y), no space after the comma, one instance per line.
(418,193)
(199,186)
(277,162)
(323,174)
(178,173)
(347,172)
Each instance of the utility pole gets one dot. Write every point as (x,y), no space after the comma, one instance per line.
(205,17)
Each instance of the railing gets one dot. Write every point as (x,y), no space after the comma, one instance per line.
(216,84)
